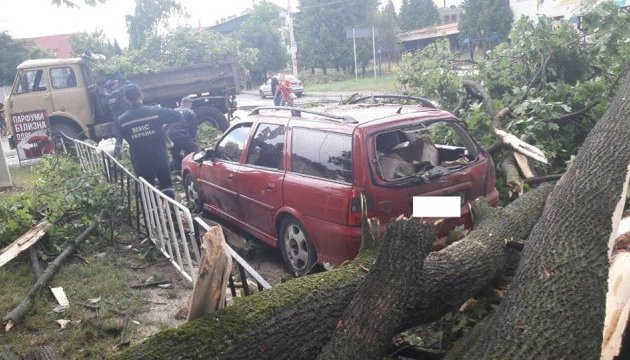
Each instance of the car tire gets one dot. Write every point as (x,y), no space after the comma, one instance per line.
(297,248)
(262,94)
(213,116)
(298,94)
(192,195)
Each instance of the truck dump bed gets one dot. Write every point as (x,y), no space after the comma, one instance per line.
(170,85)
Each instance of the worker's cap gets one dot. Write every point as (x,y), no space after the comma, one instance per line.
(186,100)
(132,92)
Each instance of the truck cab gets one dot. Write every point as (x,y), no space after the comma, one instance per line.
(62,87)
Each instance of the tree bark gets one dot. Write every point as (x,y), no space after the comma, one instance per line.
(384,297)
(555,306)
(296,319)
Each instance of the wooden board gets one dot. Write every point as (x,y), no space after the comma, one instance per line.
(23,242)
(618,297)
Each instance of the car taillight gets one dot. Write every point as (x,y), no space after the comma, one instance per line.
(354,213)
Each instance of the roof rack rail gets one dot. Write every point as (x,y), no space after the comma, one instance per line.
(295,111)
(419,100)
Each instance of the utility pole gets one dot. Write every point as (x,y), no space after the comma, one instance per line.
(293,45)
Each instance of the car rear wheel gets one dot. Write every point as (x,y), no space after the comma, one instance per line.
(298,94)
(262,94)
(194,200)
(297,249)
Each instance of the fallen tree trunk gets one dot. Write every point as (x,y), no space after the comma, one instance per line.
(384,297)
(296,319)
(19,311)
(555,306)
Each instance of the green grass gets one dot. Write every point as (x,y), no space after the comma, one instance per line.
(383,84)
(23,175)
(91,334)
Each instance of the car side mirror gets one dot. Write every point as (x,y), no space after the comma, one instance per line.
(202,155)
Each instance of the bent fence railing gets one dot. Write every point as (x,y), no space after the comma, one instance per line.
(167,223)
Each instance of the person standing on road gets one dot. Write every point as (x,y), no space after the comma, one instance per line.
(183,134)
(141,126)
(275,89)
(285,91)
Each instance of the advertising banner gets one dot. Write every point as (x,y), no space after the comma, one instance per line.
(32,134)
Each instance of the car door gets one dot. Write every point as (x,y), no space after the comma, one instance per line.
(218,178)
(260,178)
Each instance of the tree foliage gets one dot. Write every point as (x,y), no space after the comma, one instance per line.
(63,195)
(482,18)
(261,32)
(179,47)
(95,42)
(13,53)
(417,14)
(321,32)
(555,80)
(148,15)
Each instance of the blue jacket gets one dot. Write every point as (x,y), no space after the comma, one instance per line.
(141,126)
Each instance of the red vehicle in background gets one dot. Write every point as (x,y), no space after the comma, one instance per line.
(293,178)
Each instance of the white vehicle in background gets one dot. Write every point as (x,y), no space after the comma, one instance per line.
(297,87)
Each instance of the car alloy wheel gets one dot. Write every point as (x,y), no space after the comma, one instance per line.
(297,250)
(191,193)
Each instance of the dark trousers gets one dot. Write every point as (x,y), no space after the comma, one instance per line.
(182,146)
(156,169)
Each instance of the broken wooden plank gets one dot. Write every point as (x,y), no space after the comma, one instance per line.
(521,146)
(523,165)
(23,242)
(618,296)
(60,296)
(213,274)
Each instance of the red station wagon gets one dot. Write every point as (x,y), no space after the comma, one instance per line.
(293,178)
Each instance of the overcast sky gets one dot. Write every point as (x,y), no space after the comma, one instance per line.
(32,18)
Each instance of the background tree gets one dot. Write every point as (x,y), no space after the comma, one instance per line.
(148,15)
(321,31)
(417,14)
(261,32)
(482,18)
(387,24)
(554,81)
(13,53)
(95,42)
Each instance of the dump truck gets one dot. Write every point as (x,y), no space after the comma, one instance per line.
(63,96)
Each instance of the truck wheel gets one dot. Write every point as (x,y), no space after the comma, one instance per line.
(58,131)
(213,116)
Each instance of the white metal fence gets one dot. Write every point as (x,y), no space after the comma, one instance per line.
(167,223)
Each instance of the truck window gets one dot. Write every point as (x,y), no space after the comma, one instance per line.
(267,146)
(31,80)
(62,78)
(322,154)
